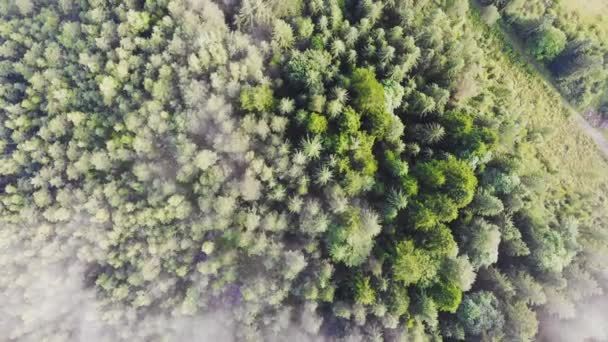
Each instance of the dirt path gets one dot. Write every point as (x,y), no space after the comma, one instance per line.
(596,135)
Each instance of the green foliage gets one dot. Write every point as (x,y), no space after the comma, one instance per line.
(283,34)
(431,133)
(350,120)
(439,240)
(446,186)
(306,69)
(486,204)
(413,264)
(368,92)
(108,89)
(397,166)
(464,137)
(399,300)
(452,176)
(521,323)
(483,239)
(259,98)
(369,100)
(480,315)
(138,21)
(447,296)
(305,27)
(317,43)
(548,43)
(317,123)
(351,238)
(402,150)
(364,293)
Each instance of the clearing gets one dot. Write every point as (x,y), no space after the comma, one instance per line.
(597,9)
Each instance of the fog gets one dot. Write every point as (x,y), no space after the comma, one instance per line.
(590,323)
(44,294)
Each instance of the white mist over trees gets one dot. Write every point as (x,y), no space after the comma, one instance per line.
(275,170)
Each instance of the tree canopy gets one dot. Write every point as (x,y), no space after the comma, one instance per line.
(267,170)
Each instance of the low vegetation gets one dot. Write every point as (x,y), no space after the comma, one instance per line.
(571,39)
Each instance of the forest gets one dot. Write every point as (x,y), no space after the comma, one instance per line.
(306,170)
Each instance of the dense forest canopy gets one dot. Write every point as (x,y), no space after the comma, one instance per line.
(259,170)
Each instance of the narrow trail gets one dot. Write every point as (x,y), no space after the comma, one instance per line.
(597,136)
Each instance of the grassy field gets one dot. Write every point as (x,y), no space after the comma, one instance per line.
(516,56)
(591,14)
(591,9)
(562,147)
